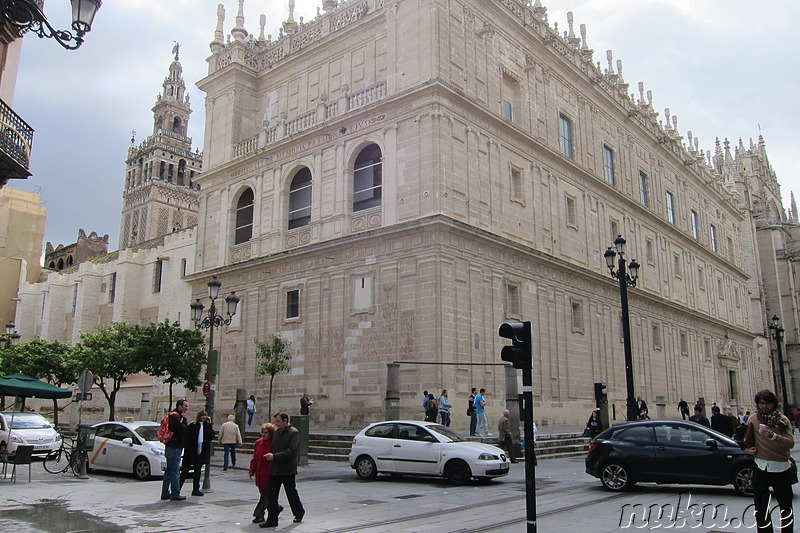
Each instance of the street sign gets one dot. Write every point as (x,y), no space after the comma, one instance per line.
(207,389)
(85,381)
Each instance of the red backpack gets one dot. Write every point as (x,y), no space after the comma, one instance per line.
(164,434)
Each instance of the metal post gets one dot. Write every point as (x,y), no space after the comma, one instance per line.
(530,451)
(778,335)
(626,339)
(212,315)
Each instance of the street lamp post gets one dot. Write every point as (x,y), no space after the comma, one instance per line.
(212,321)
(11,337)
(777,334)
(27,15)
(625,280)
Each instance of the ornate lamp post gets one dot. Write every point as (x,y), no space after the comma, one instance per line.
(11,337)
(777,334)
(210,322)
(27,15)
(625,280)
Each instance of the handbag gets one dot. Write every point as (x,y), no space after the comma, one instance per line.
(793,471)
(587,432)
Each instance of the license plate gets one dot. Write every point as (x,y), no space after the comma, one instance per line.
(42,447)
(504,466)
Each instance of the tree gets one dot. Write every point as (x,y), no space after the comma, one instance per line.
(174,353)
(112,354)
(51,361)
(273,358)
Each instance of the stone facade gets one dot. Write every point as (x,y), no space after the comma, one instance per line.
(84,248)
(508,163)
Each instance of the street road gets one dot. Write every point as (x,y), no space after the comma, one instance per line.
(336,501)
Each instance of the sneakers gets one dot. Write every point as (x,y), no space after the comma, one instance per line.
(197,493)
(488,435)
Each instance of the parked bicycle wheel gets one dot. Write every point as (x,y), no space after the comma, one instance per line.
(58,461)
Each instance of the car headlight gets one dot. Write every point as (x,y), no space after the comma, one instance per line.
(157,451)
(58,437)
(487,457)
(17,439)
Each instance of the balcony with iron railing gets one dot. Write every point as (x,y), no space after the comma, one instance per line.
(16,137)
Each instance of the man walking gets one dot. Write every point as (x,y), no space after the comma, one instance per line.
(282,471)
(230,437)
(473,417)
(698,417)
(683,407)
(171,486)
(480,410)
(505,436)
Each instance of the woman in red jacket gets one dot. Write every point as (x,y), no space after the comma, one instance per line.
(259,467)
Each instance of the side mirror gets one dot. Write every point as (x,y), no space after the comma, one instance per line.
(712,443)
(128,441)
(429,438)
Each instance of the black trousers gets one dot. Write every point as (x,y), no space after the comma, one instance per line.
(781,484)
(263,500)
(198,470)
(275,483)
(508,446)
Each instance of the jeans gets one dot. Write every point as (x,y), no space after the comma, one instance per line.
(764,503)
(250,418)
(229,449)
(482,423)
(445,418)
(290,489)
(473,422)
(171,486)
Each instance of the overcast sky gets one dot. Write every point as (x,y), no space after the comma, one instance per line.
(724,67)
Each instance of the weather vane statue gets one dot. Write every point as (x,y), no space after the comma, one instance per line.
(176,49)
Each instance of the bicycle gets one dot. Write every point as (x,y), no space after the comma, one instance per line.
(64,458)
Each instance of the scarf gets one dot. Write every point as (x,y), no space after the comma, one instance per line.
(773,418)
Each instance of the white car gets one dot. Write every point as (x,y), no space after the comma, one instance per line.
(131,447)
(424,448)
(29,429)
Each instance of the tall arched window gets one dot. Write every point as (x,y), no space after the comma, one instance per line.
(300,199)
(368,178)
(177,127)
(244,217)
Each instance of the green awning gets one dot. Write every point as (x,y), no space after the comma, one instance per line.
(28,387)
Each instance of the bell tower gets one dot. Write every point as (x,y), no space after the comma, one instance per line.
(160,196)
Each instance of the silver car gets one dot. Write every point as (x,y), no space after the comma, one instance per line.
(424,448)
(131,447)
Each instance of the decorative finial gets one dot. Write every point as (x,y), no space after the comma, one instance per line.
(573,40)
(666,116)
(176,49)
(262,21)
(238,32)
(133,136)
(610,58)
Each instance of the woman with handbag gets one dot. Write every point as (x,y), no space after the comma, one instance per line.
(594,426)
(769,438)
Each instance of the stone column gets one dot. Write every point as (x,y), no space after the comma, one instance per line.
(240,410)
(144,407)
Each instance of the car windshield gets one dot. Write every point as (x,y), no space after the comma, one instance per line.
(148,433)
(446,432)
(28,422)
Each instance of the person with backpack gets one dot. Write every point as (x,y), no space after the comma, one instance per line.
(172,437)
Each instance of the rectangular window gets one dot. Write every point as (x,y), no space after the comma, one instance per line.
(572,212)
(701,278)
(293,303)
(608,165)
(44,302)
(714,246)
(670,208)
(676,260)
(508,112)
(736,296)
(362,294)
(565,135)
(707,348)
(577,316)
(183,267)
(684,343)
(695,225)
(516,184)
(513,300)
(74,299)
(112,288)
(656,336)
(644,194)
(649,252)
(730,248)
(157,269)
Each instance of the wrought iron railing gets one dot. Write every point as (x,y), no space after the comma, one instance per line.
(16,136)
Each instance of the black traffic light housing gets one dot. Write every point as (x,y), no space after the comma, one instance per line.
(600,395)
(519,353)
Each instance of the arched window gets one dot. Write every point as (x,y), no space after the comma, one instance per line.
(181,171)
(300,199)
(368,178)
(176,125)
(61,264)
(52,265)
(244,217)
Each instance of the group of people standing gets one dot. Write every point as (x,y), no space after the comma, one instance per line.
(434,409)
(439,410)
(274,461)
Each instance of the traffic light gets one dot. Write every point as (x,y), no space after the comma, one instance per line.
(519,353)
(600,394)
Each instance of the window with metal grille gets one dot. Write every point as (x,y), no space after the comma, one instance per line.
(300,199)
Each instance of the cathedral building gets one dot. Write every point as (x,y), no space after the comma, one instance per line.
(392,180)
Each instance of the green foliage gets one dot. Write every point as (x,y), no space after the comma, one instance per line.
(273,358)
(112,354)
(173,353)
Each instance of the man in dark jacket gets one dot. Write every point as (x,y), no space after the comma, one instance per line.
(171,486)
(197,450)
(698,417)
(282,470)
(720,422)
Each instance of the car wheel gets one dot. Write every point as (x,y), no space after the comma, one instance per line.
(2,447)
(365,467)
(141,468)
(743,480)
(616,477)
(457,472)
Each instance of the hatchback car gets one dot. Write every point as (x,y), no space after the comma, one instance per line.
(131,447)
(29,429)
(424,448)
(668,452)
